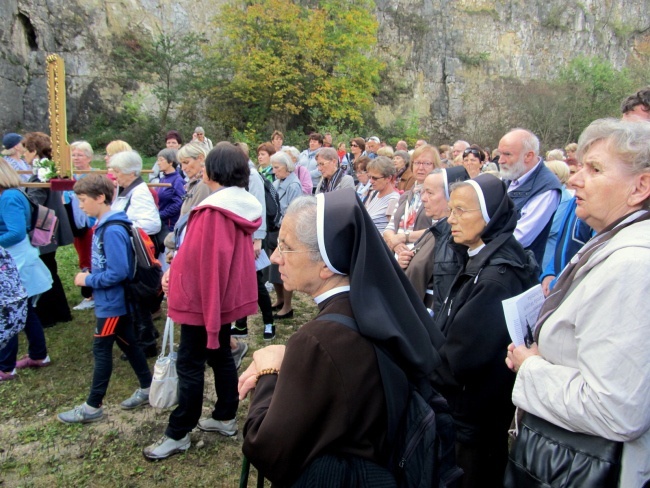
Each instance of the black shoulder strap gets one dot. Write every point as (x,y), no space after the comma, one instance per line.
(395,382)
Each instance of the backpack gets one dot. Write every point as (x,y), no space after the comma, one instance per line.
(273,210)
(145,285)
(421,431)
(44,224)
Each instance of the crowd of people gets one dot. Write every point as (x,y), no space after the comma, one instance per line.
(417,249)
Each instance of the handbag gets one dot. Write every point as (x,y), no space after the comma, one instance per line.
(546,455)
(164,385)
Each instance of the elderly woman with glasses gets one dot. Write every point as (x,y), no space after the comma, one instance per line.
(590,369)
(384,197)
(473,377)
(320,413)
(409,221)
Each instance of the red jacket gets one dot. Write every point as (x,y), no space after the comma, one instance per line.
(212,278)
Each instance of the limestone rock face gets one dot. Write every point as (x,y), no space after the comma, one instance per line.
(441,55)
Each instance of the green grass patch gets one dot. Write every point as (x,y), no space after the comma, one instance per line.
(37,450)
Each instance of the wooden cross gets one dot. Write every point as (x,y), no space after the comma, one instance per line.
(59,126)
(58,119)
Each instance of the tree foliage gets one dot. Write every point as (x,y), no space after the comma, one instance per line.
(281,64)
(167,62)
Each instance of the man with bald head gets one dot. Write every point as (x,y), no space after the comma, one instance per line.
(532,186)
(401,146)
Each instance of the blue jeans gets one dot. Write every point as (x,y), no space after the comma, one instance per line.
(107,331)
(35,337)
(190,366)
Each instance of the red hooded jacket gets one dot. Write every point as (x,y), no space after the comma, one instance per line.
(212,278)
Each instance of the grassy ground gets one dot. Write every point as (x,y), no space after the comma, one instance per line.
(36,450)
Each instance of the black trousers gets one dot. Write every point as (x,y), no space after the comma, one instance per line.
(53,305)
(192,356)
(107,331)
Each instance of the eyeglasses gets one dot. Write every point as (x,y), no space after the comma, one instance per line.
(428,164)
(459,212)
(475,152)
(286,251)
(354,145)
(376,178)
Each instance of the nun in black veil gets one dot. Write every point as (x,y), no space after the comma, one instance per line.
(323,396)
(473,376)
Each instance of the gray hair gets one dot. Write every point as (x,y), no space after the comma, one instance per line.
(404,155)
(529,142)
(555,155)
(84,147)
(283,159)
(303,210)
(191,150)
(199,130)
(629,141)
(127,162)
(329,154)
(170,155)
(293,152)
(382,164)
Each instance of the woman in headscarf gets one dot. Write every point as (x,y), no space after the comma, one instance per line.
(13,153)
(431,265)
(328,405)
(472,376)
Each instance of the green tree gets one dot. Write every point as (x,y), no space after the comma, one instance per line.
(282,64)
(167,63)
(592,89)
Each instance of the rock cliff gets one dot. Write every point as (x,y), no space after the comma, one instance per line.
(440,55)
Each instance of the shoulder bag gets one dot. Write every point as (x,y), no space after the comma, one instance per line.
(164,386)
(546,455)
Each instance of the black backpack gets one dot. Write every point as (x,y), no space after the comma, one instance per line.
(273,211)
(420,426)
(145,286)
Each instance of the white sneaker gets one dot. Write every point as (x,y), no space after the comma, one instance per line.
(86,304)
(223,427)
(166,446)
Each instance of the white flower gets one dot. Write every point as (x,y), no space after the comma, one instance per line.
(43,174)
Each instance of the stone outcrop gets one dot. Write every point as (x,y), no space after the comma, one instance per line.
(439,54)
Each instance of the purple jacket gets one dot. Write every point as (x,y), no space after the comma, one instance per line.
(170,199)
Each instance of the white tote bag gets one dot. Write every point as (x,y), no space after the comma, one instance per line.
(164,386)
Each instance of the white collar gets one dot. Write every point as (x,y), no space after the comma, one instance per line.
(330,293)
(474,252)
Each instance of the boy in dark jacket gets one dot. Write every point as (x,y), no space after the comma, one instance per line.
(112,264)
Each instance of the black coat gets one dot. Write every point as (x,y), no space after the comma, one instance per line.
(473,376)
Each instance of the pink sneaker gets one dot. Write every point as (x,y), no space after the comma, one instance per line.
(7,376)
(27,362)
